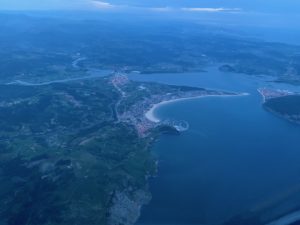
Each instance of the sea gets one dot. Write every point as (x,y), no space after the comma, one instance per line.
(236,158)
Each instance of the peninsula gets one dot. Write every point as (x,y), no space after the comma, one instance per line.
(78,150)
(283,103)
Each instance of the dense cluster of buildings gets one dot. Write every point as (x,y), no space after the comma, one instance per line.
(271,93)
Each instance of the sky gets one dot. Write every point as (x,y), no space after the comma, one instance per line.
(244,14)
(265,6)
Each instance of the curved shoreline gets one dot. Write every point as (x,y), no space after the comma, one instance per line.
(150,114)
(288,219)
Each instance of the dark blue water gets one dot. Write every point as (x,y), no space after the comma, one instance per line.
(235,157)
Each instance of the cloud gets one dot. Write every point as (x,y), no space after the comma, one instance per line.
(101,4)
(211,9)
(161,9)
(198,9)
(114,5)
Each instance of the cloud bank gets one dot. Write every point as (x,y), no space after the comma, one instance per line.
(121,5)
(211,9)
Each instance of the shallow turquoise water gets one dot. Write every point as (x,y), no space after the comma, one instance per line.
(234,158)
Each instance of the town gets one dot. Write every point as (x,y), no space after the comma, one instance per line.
(135,114)
(269,93)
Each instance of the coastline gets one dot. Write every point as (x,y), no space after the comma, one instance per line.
(262,94)
(288,219)
(150,114)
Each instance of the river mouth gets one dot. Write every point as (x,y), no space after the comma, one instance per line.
(235,158)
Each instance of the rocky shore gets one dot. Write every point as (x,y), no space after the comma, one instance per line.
(126,206)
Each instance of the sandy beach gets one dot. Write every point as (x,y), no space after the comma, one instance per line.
(150,114)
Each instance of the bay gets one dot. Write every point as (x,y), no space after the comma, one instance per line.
(235,157)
